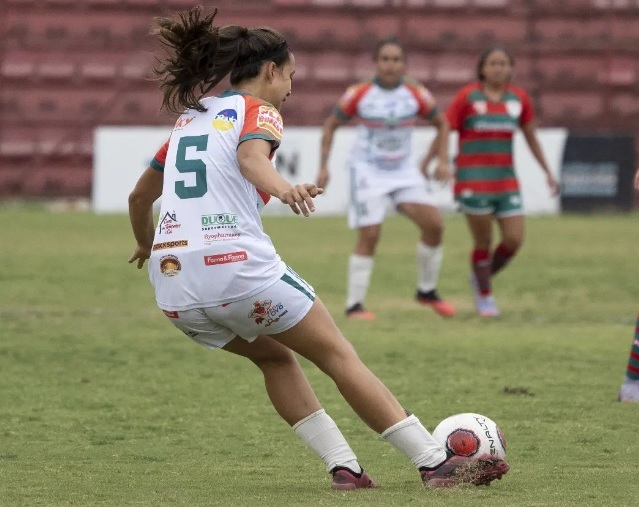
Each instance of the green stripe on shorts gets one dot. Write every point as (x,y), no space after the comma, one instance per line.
(294,283)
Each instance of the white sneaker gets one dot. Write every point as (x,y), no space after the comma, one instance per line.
(629,391)
(485,305)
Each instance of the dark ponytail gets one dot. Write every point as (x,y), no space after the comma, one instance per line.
(201,55)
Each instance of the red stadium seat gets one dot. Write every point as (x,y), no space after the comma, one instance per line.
(569,71)
(490,4)
(454,70)
(332,66)
(59,65)
(421,66)
(19,65)
(576,105)
(370,4)
(363,66)
(18,142)
(620,71)
(378,26)
(626,105)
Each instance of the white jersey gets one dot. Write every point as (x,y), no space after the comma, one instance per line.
(387,118)
(210,247)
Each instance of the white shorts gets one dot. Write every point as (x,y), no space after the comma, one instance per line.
(274,310)
(370,208)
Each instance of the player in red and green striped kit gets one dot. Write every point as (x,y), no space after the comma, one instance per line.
(630,388)
(486,114)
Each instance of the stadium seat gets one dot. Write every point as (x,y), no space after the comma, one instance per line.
(375,27)
(60,177)
(310,107)
(570,104)
(292,3)
(454,69)
(18,142)
(369,4)
(363,66)
(420,66)
(102,66)
(568,33)
(625,105)
(19,65)
(138,66)
(58,66)
(451,4)
(332,66)
(569,71)
(620,71)
(303,66)
(490,4)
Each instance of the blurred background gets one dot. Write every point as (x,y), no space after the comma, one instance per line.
(69,66)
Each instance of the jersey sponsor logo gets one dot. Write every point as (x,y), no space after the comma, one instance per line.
(220,236)
(219,221)
(266,311)
(225,120)
(171,315)
(170,265)
(226,258)
(513,108)
(348,96)
(182,122)
(168,223)
(480,106)
(171,244)
(270,120)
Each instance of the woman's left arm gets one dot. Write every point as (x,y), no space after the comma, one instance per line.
(531,138)
(147,190)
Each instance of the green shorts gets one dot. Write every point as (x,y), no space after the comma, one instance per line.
(501,205)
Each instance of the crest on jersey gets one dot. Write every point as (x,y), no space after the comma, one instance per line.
(480,107)
(225,119)
(513,108)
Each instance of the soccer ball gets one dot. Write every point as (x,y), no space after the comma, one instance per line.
(471,434)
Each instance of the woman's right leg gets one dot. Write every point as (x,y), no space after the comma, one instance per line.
(360,269)
(294,400)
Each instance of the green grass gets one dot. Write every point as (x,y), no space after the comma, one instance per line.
(103,402)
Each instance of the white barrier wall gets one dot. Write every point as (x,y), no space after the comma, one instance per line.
(123,153)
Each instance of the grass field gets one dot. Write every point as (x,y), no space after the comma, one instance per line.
(103,402)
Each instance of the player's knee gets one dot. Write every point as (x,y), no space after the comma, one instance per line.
(277,357)
(513,244)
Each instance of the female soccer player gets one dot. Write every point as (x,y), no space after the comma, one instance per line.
(216,274)
(486,114)
(630,388)
(381,171)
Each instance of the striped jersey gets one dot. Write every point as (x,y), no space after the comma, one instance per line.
(485,156)
(387,117)
(209,246)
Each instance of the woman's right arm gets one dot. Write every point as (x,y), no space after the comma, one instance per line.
(255,165)
(331,124)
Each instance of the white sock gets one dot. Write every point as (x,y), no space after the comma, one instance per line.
(429,263)
(411,438)
(360,268)
(322,435)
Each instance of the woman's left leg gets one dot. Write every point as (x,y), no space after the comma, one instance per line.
(512,237)
(430,254)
